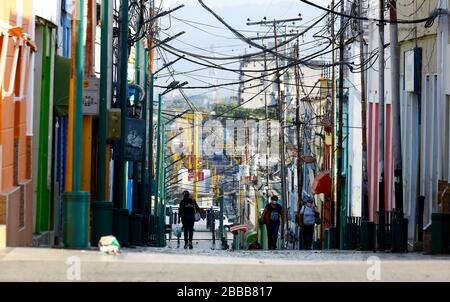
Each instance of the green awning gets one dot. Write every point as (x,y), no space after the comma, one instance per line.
(61,86)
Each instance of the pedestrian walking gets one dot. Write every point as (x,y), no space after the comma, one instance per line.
(272,216)
(307,220)
(189,213)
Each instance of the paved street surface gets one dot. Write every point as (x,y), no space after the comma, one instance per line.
(203,264)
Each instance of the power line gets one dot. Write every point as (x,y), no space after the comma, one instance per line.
(248,41)
(213,26)
(428,21)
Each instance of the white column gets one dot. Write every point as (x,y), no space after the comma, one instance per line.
(30,96)
(442,42)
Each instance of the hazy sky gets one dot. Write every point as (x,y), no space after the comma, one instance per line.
(234,3)
(201,38)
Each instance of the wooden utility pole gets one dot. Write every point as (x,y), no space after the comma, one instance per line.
(395,79)
(364,187)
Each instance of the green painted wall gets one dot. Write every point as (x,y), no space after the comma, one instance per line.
(43,191)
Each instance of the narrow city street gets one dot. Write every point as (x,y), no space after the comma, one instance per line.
(225,140)
(205,265)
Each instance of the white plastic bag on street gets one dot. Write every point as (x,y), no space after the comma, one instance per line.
(177,231)
(109,245)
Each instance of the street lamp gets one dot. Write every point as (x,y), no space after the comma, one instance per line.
(151,192)
(160,161)
(161,131)
(150,149)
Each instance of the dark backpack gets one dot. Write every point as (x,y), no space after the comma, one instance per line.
(274,216)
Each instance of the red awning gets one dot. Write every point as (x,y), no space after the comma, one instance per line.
(239,228)
(322,183)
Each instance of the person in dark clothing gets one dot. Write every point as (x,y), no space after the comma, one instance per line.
(272,216)
(187,209)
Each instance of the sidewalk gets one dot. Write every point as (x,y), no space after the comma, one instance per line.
(203,265)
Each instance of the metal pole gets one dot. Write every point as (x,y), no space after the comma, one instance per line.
(195,155)
(123,97)
(162,216)
(364,189)
(442,41)
(381,207)
(395,78)
(78,107)
(333,122)
(76,203)
(339,182)
(143,194)
(213,226)
(150,143)
(136,190)
(222,235)
(102,208)
(101,159)
(381,104)
(158,153)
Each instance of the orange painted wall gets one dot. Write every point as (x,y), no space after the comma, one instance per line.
(16,190)
(13,108)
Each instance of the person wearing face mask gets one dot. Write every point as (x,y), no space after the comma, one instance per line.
(307,221)
(187,210)
(272,216)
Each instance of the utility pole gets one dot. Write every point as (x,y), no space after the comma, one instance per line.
(103,102)
(298,129)
(364,191)
(381,207)
(395,79)
(120,201)
(195,154)
(333,121)
(339,181)
(442,55)
(281,117)
(76,202)
(102,225)
(267,129)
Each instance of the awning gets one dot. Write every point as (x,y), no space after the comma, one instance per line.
(17,32)
(239,228)
(322,184)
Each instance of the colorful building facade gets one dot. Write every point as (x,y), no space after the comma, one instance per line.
(16,56)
